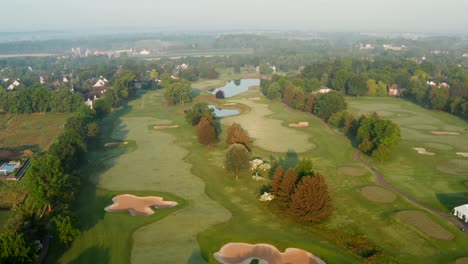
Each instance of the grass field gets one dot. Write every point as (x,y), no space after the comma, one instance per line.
(11,193)
(30,130)
(441,180)
(220,209)
(5,215)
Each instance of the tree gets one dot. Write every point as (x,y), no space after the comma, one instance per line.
(65,229)
(235,134)
(381,153)
(381,89)
(438,98)
(154,74)
(288,95)
(178,92)
(273,91)
(219,94)
(309,103)
(265,69)
(327,104)
(283,196)
(199,110)
(276,180)
(340,78)
(47,183)
(103,107)
(123,86)
(299,100)
(357,86)
(371,87)
(206,131)
(14,249)
(237,159)
(304,168)
(311,200)
(70,149)
(92,130)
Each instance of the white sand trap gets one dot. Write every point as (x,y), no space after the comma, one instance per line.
(299,125)
(444,133)
(138,205)
(463,154)
(165,127)
(243,253)
(230,104)
(254,98)
(113,144)
(423,151)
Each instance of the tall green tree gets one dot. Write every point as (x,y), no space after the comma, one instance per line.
(237,159)
(327,104)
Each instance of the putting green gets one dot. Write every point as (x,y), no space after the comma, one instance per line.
(423,223)
(351,171)
(269,133)
(158,164)
(378,194)
(454,166)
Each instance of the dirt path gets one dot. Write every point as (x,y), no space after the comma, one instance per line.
(381,181)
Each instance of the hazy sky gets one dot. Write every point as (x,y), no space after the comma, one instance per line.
(320,15)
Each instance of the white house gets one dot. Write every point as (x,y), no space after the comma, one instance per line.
(101,82)
(15,84)
(42,80)
(145,52)
(324,90)
(461,212)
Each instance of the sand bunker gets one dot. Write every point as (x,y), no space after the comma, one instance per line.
(165,127)
(444,133)
(300,124)
(113,144)
(463,154)
(423,151)
(254,98)
(463,260)
(351,171)
(425,224)
(234,253)
(230,104)
(138,205)
(378,194)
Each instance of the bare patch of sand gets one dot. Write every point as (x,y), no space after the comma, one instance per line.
(351,171)
(425,224)
(113,144)
(244,253)
(463,260)
(230,104)
(463,154)
(165,127)
(423,151)
(138,205)
(445,133)
(254,98)
(378,194)
(299,125)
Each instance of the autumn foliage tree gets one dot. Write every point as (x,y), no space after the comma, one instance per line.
(311,201)
(286,188)
(276,180)
(235,134)
(206,131)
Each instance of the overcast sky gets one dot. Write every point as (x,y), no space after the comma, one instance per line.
(319,15)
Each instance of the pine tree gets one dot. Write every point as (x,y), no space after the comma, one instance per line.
(235,134)
(206,131)
(286,188)
(311,201)
(276,181)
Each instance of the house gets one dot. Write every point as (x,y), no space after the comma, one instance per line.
(145,52)
(324,90)
(465,55)
(366,46)
(65,80)
(42,80)
(15,84)
(101,82)
(394,48)
(461,212)
(394,90)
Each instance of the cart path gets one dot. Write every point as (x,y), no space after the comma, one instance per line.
(382,182)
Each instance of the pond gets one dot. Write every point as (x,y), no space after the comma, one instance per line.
(236,87)
(222,112)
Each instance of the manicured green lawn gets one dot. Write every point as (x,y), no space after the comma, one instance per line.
(220,209)
(441,180)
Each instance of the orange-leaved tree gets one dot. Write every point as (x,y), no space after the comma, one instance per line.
(206,131)
(235,134)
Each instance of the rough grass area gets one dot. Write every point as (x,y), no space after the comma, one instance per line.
(378,194)
(107,237)
(427,178)
(30,130)
(424,224)
(5,216)
(11,193)
(351,171)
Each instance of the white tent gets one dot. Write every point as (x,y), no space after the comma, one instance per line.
(461,212)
